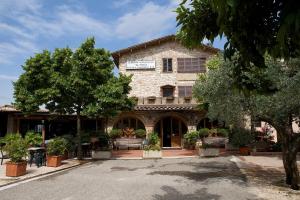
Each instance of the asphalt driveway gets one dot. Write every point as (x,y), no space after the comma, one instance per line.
(186,178)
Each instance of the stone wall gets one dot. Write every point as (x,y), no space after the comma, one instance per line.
(148,82)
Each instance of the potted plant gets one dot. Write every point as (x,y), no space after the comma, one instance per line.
(152,149)
(103,151)
(16,148)
(33,139)
(208,150)
(140,133)
(222,132)
(55,151)
(70,146)
(242,138)
(190,139)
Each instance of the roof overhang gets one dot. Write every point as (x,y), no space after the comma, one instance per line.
(117,54)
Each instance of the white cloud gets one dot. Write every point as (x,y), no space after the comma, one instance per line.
(7,77)
(9,8)
(148,22)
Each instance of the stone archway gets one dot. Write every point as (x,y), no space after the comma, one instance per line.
(128,124)
(170,130)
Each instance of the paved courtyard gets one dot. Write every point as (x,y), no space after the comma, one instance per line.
(185,178)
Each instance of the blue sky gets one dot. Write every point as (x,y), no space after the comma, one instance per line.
(29,26)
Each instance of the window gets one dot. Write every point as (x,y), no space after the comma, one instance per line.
(167,91)
(167,65)
(185,91)
(191,65)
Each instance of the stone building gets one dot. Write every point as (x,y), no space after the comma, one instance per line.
(164,72)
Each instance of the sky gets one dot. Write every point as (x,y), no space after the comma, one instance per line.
(30,26)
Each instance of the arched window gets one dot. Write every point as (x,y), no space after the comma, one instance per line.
(129,122)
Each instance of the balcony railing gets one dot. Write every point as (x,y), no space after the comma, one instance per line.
(165,100)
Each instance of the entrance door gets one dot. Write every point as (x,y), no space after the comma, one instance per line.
(166,131)
(170,131)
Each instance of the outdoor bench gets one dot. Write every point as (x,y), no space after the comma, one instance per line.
(126,143)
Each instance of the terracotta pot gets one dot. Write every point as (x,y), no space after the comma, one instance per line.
(245,151)
(16,169)
(54,161)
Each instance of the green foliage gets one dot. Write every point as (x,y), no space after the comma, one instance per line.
(33,139)
(65,81)
(191,137)
(104,141)
(153,138)
(223,132)
(140,133)
(70,142)
(57,146)
(251,27)
(241,137)
(153,142)
(115,133)
(15,147)
(203,132)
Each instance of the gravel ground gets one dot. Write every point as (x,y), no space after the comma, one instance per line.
(172,179)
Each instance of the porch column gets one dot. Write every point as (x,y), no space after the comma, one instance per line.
(149,129)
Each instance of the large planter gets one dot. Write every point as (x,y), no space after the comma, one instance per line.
(96,154)
(16,169)
(245,151)
(54,161)
(152,154)
(209,152)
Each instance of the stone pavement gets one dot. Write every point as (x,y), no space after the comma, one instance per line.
(216,178)
(33,171)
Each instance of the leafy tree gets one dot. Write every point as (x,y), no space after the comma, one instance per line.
(280,109)
(252,29)
(64,81)
(111,98)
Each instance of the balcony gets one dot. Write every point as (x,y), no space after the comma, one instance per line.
(152,100)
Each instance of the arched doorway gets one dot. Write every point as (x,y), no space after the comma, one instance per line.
(170,130)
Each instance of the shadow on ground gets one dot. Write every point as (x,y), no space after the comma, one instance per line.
(173,194)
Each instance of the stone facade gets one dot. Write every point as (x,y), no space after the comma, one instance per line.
(148,82)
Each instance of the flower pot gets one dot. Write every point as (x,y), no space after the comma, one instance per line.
(209,152)
(245,151)
(96,154)
(54,161)
(16,169)
(152,154)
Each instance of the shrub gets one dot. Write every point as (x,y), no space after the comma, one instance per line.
(104,141)
(33,139)
(70,142)
(191,137)
(222,132)
(56,146)
(203,132)
(140,133)
(115,133)
(153,142)
(15,147)
(241,137)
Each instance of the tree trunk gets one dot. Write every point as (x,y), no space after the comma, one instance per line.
(79,149)
(289,157)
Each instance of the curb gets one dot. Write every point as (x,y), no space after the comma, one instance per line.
(44,174)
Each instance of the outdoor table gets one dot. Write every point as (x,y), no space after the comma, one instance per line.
(38,154)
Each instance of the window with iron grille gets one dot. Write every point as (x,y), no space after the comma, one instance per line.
(191,65)
(185,91)
(167,65)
